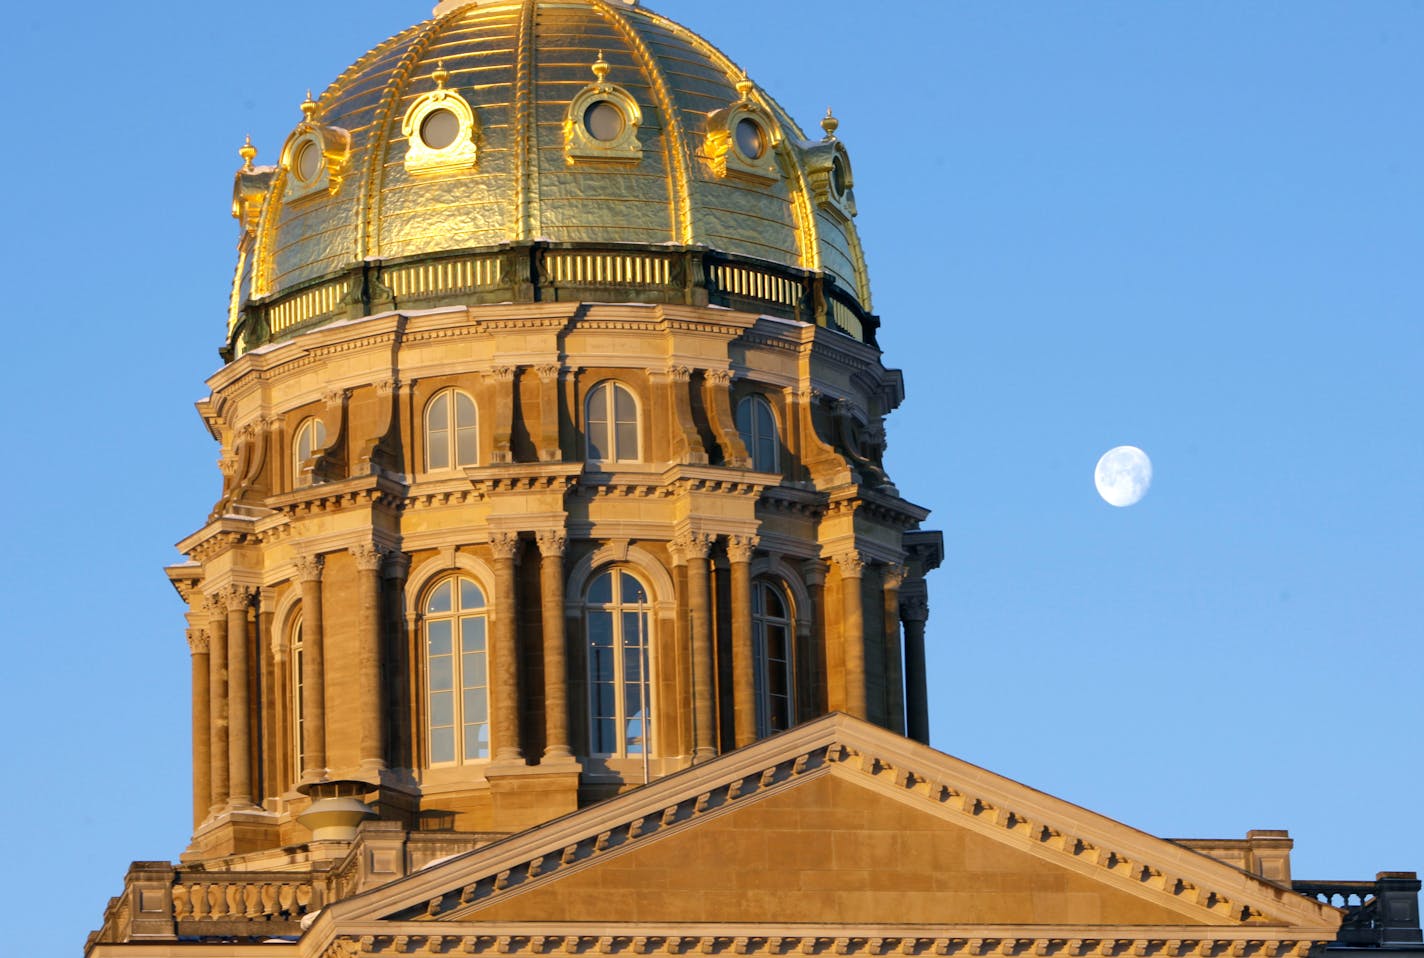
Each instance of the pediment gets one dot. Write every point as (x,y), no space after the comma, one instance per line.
(840,828)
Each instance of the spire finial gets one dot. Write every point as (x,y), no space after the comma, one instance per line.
(440,74)
(308,106)
(830,124)
(248,152)
(601,67)
(745,87)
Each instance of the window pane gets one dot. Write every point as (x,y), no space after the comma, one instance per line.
(442,745)
(319,434)
(438,417)
(598,441)
(624,408)
(631,590)
(601,592)
(744,419)
(633,735)
(437,449)
(471,597)
(476,706)
(627,440)
(464,411)
(442,673)
(765,455)
(442,709)
(600,666)
(472,670)
(439,599)
(604,736)
(604,704)
(765,422)
(476,740)
(466,446)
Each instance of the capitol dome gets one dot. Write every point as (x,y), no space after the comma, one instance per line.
(531,150)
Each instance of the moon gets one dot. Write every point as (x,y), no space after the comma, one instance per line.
(1123,476)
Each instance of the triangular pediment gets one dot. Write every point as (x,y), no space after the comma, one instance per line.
(841,825)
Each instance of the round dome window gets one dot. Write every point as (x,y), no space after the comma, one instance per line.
(750,139)
(838,176)
(308,162)
(439,129)
(604,121)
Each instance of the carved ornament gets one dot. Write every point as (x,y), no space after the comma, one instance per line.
(552,543)
(741,548)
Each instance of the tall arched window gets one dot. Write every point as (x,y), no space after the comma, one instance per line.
(299,751)
(310,439)
(771,652)
(455,631)
(617,624)
(757,425)
(450,436)
(612,417)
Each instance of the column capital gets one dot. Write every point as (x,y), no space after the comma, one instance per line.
(740,548)
(504,544)
(914,609)
(238,597)
(552,543)
(368,556)
(397,564)
(719,377)
(851,564)
(503,374)
(309,567)
(679,374)
(548,372)
(692,545)
(197,642)
(386,388)
(894,574)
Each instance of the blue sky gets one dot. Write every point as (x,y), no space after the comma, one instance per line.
(1195,228)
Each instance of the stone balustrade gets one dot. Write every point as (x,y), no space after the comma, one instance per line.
(252,897)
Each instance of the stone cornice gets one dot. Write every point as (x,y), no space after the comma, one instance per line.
(361,491)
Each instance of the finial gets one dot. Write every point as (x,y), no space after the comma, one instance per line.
(745,87)
(248,152)
(308,106)
(440,74)
(830,124)
(601,67)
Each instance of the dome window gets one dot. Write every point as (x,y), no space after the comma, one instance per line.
(314,157)
(742,139)
(441,128)
(828,171)
(602,123)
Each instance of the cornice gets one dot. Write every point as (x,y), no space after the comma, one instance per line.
(363,491)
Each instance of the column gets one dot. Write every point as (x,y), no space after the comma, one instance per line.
(914,611)
(744,664)
(852,565)
(550,449)
(505,651)
(694,547)
(894,576)
(309,569)
(396,658)
(505,396)
(202,745)
(370,702)
(551,592)
(217,701)
(239,683)
(811,678)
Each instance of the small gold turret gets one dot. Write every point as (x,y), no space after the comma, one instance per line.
(308,106)
(830,124)
(601,68)
(248,152)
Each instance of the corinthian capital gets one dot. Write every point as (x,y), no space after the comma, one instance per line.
(504,544)
(894,575)
(197,642)
(740,548)
(368,556)
(692,545)
(719,377)
(238,597)
(309,567)
(552,543)
(851,564)
(916,609)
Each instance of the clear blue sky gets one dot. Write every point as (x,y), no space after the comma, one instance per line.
(1193,227)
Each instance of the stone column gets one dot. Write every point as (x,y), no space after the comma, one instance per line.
(397,662)
(556,670)
(239,725)
(894,576)
(217,700)
(506,394)
(505,651)
(202,708)
(811,674)
(914,611)
(694,547)
(370,701)
(744,664)
(550,450)
(852,565)
(309,569)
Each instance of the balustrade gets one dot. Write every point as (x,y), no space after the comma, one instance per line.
(271,898)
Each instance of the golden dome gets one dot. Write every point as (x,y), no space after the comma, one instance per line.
(590,123)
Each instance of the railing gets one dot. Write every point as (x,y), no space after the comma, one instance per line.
(272,897)
(1380,912)
(557,272)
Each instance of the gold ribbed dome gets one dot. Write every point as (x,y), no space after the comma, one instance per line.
(357,184)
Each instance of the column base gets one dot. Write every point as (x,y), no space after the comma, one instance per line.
(233,832)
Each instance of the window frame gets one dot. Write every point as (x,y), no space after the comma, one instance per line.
(761,659)
(756,402)
(459,685)
(312,431)
(618,609)
(608,390)
(296,678)
(452,396)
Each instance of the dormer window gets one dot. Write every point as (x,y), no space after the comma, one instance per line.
(441,128)
(602,122)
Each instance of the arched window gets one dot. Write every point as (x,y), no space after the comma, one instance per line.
(612,416)
(771,653)
(299,751)
(757,425)
(311,439)
(455,632)
(617,624)
(451,439)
